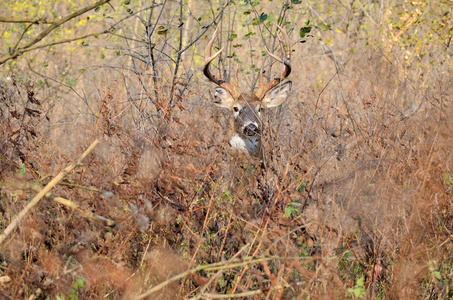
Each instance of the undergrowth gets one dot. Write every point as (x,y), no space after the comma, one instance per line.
(352,198)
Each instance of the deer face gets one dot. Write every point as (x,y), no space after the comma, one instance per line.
(246,109)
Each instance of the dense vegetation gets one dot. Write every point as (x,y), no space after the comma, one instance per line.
(352,199)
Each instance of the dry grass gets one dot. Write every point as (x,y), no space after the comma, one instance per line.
(355,200)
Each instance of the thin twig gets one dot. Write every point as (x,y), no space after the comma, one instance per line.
(206,28)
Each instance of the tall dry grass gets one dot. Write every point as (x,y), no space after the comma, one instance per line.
(354,200)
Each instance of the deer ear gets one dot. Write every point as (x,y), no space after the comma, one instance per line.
(276,96)
(222,98)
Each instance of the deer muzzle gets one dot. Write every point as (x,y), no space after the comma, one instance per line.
(251,130)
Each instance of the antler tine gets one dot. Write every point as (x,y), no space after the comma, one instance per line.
(264,88)
(232,89)
(208,59)
(287,42)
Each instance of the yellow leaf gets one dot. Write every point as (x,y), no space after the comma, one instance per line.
(338,30)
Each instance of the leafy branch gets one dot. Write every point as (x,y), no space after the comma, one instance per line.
(29,46)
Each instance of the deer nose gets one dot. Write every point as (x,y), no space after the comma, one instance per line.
(251,130)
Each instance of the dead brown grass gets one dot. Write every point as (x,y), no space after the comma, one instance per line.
(370,164)
(355,200)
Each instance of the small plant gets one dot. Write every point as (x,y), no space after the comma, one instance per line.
(79,283)
(22,169)
(305,250)
(448,179)
(437,281)
(345,260)
(291,209)
(434,270)
(302,186)
(358,291)
(227,196)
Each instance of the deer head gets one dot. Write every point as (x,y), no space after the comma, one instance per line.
(248,108)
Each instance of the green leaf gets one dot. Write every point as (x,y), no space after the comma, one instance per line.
(270,17)
(97,9)
(302,187)
(304,31)
(296,1)
(325,27)
(79,283)
(248,35)
(22,170)
(263,17)
(70,82)
(248,12)
(233,36)
(162,30)
(288,212)
(437,275)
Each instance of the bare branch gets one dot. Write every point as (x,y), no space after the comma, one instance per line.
(7,57)
(206,28)
(28,20)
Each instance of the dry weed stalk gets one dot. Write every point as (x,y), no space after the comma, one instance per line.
(44,191)
(35,187)
(219,266)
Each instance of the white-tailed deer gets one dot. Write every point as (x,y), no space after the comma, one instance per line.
(247,108)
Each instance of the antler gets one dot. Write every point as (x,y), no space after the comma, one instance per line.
(264,88)
(231,88)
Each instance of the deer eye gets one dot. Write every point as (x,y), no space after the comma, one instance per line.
(236,109)
(260,109)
